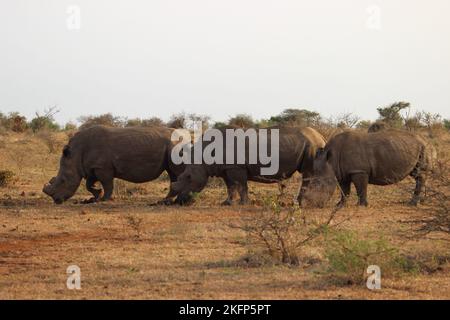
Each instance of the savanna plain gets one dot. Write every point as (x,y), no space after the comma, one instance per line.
(132,248)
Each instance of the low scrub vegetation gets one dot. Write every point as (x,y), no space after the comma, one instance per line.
(281,232)
(397,115)
(436,219)
(349,255)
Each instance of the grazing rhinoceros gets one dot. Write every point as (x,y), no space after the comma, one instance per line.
(101,154)
(296,153)
(380,157)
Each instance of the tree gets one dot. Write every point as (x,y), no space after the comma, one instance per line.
(106,119)
(177,121)
(296,117)
(219,125)
(45,121)
(242,121)
(19,124)
(195,118)
(153,121)
(137,122)
(391,114)
(13,121)
(432,121)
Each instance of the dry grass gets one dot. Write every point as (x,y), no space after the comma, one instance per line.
(129,249)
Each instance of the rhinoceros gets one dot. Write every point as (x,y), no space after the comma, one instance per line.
(296,153)
(380,157)
(100,153)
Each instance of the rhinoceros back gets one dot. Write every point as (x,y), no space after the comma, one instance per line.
(387,156)
(133,154)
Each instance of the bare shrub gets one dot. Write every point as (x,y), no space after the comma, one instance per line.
(195,118)
(280,232)
(364,124)
(433,122)
(437,212)
(346,120)
(327,129)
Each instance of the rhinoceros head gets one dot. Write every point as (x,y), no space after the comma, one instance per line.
(322,183)
(66,183)
(193,179)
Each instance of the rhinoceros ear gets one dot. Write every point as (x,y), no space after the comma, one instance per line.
(66,151)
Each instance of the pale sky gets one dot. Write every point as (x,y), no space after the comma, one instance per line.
(143,58)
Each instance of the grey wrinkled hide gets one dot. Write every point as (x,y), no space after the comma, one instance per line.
(381,157)
(297,152)
(101,154)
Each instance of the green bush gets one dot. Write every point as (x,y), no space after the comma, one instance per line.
(242,121)
(296,117)
(70,126)
(106,119)
(447,124)
(13,121)
(349,256)
(137,122)
(42,122)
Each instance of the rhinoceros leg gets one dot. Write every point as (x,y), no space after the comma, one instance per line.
(361,180)
(243,192)
(106,178)
(231,189)
(239,178)
(171,194)
(243,189)
(108,187)
(90,186)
